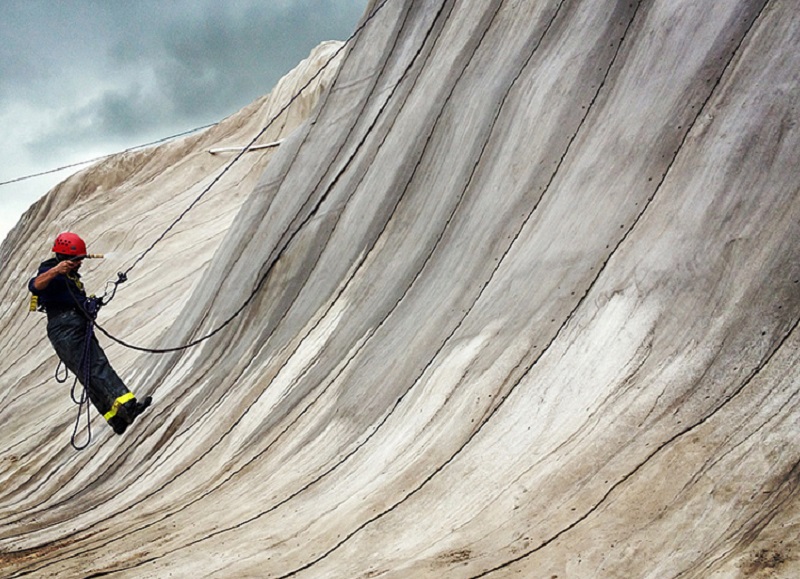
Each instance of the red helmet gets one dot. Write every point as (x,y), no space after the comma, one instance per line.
(69,244)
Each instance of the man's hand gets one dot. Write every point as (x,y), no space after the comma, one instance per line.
(65,267)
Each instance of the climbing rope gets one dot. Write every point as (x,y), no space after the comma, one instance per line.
(122,276)
(83,400)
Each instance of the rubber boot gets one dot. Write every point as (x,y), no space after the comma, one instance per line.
(134,408)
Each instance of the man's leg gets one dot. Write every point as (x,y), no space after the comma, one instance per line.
(67,334)
(107,392)
(121,406)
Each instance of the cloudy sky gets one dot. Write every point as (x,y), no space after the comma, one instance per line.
(85,78)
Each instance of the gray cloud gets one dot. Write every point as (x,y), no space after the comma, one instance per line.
(84,78)
(111,71)
(233,56)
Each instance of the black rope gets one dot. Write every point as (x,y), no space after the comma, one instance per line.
(197,341)
(123,275)
(233,161)
(86,370)
(66,372)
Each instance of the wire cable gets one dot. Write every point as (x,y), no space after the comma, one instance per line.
(102,157)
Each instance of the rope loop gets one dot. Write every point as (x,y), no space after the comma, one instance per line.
(66,372)
(86,370)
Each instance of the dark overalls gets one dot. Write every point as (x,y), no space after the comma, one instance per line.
(64,300)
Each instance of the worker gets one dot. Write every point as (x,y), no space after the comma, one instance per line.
(70,315)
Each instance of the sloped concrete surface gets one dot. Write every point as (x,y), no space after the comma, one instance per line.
(522,297)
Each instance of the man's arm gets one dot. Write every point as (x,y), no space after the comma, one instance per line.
(43,280)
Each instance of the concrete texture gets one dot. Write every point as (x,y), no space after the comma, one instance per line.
(522,297)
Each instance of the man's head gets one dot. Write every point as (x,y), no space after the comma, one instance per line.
(70,247)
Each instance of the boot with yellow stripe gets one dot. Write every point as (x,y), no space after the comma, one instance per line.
(125,410)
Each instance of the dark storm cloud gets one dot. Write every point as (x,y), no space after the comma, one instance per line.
(83,78)
(38,46)
(104,71)
(231,52)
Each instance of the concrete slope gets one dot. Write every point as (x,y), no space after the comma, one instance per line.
(520,299)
